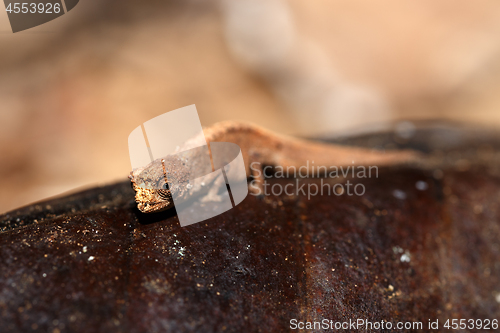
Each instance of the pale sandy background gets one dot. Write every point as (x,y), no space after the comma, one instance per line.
(72,90)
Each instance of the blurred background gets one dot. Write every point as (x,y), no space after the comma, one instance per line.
(72,90)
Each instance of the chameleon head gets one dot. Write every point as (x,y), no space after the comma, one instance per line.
(152,193)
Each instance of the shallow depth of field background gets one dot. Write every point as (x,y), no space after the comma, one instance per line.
(73,89)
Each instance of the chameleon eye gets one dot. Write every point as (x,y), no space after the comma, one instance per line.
(162,184)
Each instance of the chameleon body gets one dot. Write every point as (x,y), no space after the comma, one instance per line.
(151,182)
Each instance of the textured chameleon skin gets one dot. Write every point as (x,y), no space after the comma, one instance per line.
(257,145)
(148,184)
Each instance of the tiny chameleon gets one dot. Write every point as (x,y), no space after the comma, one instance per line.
(151,186)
